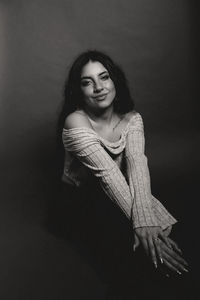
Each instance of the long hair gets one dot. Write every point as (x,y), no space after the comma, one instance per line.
(73,97)
(72,89)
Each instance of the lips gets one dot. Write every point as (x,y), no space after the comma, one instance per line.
(100,97)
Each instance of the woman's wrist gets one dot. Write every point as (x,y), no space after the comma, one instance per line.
(167,231)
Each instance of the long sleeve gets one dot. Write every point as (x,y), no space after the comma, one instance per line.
(85,145)
(162,215)
(146,209)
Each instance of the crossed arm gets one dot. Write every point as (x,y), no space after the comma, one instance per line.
(154,239)
(134,198)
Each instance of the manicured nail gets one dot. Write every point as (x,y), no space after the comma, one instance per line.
(178,272)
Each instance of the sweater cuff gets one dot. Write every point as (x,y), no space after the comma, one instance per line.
(163,217)
(143,215)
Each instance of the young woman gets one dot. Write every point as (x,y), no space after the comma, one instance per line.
(103,137)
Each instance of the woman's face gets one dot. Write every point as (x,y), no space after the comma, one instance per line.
(97,87)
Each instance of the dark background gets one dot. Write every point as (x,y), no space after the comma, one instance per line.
(155,42)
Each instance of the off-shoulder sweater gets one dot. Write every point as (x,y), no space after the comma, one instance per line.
(86,151)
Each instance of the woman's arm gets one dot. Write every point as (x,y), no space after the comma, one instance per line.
(145,207)
(84,144)
(79,139)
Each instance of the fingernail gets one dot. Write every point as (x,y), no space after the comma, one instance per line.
(134,248)
(185,270)
(179,272)
(155,264)
(161,260)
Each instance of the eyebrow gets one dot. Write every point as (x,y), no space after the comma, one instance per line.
(88,77)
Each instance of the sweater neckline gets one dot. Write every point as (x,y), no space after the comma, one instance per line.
(115,143)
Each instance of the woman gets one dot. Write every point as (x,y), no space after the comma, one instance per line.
(103,139)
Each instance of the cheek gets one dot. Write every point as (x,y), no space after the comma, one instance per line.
(112,88)
(111,85)
(86,91)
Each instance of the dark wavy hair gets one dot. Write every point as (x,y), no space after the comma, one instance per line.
(72,89)
(73,97)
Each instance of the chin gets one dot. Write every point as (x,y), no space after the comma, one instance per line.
(104,104)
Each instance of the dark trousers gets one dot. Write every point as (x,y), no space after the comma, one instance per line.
(103,235)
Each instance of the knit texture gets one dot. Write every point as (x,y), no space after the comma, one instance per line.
(86,151)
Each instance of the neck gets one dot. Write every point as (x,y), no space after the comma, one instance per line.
(101,116)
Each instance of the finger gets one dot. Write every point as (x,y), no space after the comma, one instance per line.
(136,243)
(175,246)
(175,264)
(165,239)
(158,249)
(171,267)
(174,259)
(152,251)
(145,245)
(174,255)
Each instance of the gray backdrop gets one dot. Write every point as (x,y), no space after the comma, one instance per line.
(155,43)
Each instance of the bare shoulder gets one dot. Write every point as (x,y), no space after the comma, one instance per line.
(77,119)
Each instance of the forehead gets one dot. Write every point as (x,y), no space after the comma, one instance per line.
(93,68)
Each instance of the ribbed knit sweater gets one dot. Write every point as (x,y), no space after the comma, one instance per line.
(130,189)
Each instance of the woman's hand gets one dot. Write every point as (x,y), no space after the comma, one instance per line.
(172,257)
(160,248)
(148,236)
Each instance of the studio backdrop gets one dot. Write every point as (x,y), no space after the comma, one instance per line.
(155,44)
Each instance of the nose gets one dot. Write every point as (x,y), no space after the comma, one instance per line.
(98,87)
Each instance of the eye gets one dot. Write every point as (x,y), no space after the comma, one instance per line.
(105,77)
(85,83)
